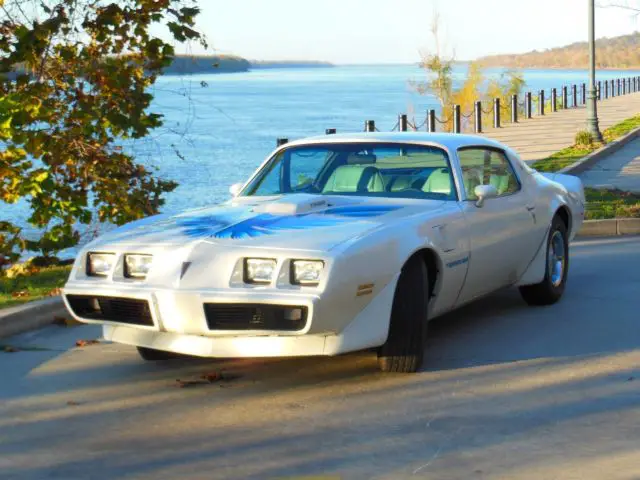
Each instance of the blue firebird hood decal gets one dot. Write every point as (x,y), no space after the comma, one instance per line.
(223,226)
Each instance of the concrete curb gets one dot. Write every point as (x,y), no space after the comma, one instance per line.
(590,160)
(610,227)
(30,316)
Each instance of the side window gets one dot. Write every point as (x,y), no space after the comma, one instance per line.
(483,166)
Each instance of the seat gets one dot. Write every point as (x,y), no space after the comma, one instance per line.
(439,182)
(354,178)
(471,178)
(402,182)
(501,182)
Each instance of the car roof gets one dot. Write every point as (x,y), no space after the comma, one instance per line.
(451,141)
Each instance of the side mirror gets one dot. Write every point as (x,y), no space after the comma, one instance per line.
(483,192)
(234,189)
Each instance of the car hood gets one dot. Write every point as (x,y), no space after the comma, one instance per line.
(298,221)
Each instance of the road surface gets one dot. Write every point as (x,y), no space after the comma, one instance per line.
(507,391)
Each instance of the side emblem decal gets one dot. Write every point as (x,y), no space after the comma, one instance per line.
(462,261)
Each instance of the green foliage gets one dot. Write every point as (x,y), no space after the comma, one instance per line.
(583,138)
(74,82)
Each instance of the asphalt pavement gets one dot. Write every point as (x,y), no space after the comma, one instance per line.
(507,391)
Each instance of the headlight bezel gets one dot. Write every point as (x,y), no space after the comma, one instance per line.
(89,267)
(253,281)
(127,268)
(293,277)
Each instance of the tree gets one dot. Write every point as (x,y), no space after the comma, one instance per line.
(439,66)
(74,87)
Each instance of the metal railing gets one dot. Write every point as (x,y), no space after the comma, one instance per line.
(569,96)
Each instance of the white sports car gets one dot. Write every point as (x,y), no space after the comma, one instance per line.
(336,243)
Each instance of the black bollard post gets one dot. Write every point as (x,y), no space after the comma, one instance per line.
(599,91)
(574,93)
(565,97)
(370,126)
(606,89)
(330,131)
(496,113)
(477,111)
(403,123)
(554,100)
(514,108)
(527,105)
(583,93)
(456,119)
(431,121)
(541,102)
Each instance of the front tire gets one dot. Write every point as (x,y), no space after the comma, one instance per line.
(404,349)
(550,290)
(153,355)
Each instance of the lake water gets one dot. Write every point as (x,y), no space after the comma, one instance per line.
(224,125)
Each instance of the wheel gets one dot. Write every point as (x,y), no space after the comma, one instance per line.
(404,349)
(152,355)
(552,286)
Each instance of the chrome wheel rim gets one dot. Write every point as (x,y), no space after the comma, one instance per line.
(556,258)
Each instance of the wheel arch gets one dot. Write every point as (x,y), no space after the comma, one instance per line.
(565,215)
(432,262)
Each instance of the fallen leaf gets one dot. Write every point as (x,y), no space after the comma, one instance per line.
(190,383)
(65,321)
(207,379)
(86,343)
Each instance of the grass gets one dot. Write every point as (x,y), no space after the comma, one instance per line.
(608,203)
(601,203)
(34,286)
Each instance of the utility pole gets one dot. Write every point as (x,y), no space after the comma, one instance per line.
(592,108)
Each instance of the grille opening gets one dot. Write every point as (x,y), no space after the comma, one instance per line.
(124,310)
(228,316)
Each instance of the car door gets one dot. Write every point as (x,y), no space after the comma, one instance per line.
(501,229)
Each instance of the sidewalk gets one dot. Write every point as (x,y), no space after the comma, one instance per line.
(619,170)
(541,136)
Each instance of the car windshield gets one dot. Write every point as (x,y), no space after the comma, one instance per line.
(365,169)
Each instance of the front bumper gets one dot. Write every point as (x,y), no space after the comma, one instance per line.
(178,322)
(223,347)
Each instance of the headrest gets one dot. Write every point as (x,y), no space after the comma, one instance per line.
(360,159)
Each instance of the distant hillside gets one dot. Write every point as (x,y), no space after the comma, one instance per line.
(289,64)
(616,52)
(185,64)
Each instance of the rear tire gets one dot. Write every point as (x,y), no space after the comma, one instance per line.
(550,290)
(404,349)
(153,355)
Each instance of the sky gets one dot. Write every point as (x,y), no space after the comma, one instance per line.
(395,31)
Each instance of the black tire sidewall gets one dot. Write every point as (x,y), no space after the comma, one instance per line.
(557,225)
